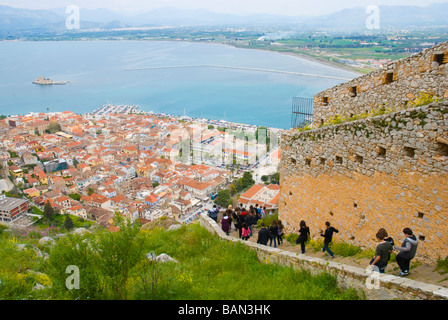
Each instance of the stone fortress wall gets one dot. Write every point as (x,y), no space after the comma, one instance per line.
(387,171)
(401,82)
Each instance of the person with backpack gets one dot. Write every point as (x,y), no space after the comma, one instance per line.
(328,238)
(263,235)
(258,210)
(225,223)
(213,213)
(388,239)
(245,231)
(250,219)
(304,233)
(273,229)
(382,252)
(406,251)
(237,220)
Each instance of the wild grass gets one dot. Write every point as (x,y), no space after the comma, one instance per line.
(442,265)
(115,266)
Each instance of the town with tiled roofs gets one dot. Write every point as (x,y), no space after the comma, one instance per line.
(140,165)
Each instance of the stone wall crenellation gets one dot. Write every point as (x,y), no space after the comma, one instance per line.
(400,82)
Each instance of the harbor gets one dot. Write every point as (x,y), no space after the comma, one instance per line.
(114,109)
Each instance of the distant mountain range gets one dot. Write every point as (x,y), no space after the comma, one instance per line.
(17,19)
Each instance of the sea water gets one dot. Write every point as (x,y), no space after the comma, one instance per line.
(120,72)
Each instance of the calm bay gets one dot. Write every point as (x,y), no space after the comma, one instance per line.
(134,73)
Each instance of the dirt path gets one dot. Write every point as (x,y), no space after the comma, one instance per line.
(419,271)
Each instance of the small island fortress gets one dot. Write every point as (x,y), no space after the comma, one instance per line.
(375,156)
(46,81)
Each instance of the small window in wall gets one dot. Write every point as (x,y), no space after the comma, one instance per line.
(359,159)
(442,149)
(420,215)
(380,152)
(322,161)
(440,58)
(325,101)
(293,161)
(338,160)
(409,152)
(353,91)
(308,161)
(388,77)
(421,238)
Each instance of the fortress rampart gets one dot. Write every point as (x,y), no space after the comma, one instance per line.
(401,82)
(389,171)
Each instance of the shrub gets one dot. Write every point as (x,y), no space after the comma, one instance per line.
(442,265)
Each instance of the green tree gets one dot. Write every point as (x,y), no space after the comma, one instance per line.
(53,127)
(68,223)
(233,190)
(223,198)
(75,196)
(155,184)
(239,185)
(247,180)
(276,178)
(48,212)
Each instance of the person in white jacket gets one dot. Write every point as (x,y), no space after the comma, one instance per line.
(406,251)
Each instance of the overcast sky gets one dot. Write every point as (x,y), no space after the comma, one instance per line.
(286,7)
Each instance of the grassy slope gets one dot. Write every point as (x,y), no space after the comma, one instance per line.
(114,266)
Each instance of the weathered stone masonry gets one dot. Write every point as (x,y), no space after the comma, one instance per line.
(401,82)
(387,171)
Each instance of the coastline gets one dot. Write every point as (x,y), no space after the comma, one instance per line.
(304,57)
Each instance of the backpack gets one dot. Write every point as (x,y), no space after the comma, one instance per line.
(246,232)
(213,214)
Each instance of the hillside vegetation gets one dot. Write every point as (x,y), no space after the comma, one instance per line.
(115,265)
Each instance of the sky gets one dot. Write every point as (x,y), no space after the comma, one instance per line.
(242,7)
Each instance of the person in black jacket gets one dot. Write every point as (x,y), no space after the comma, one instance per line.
(263,235)
(328,237)
(273,229)
(213,213)
(304,234)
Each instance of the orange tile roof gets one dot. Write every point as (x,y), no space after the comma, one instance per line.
(252,191)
